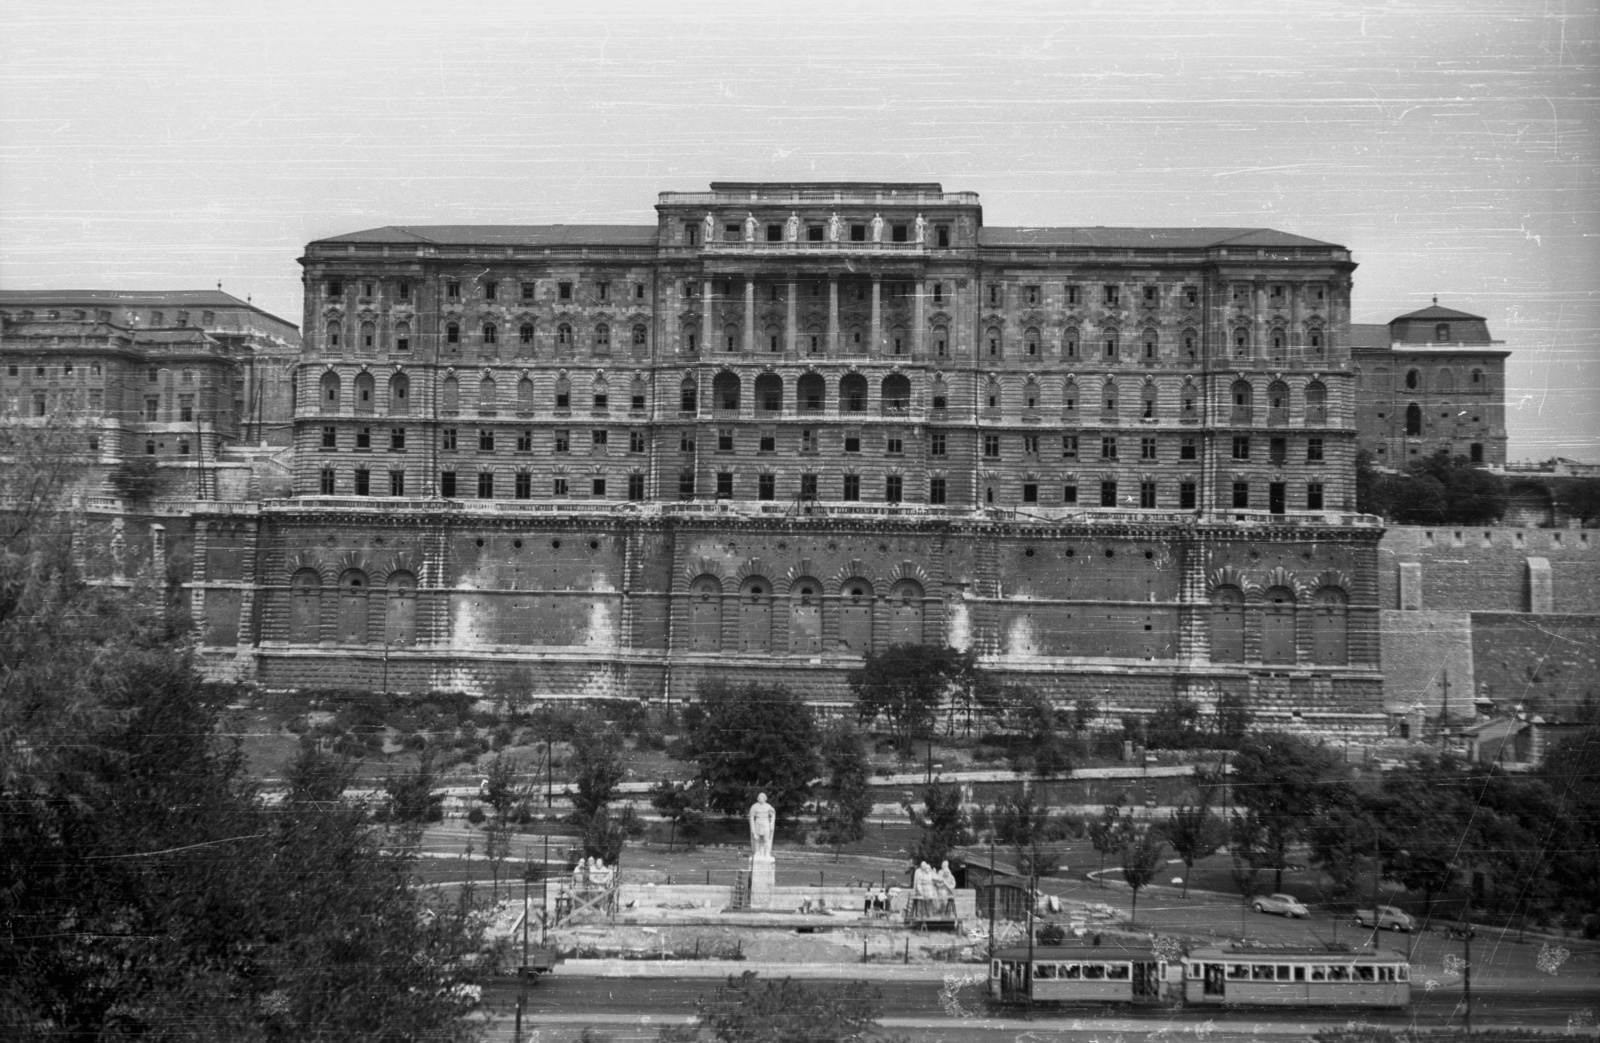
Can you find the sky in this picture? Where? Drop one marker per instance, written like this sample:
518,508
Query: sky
1450,144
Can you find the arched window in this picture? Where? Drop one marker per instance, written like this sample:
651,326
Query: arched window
805,616
1330,643
812,393
1445,381
641,339
1108,399
731,335
941,342
1413,420
853,393
400,610
1478,383
450,396
896,394
1069,342
1227,625
488,396
353,607
1030,396
525,396
402,336
602,339
993,397
1279,342
1277,626
369,336
905,613
1243,402
1316,403
330,392
898,343
491,335
855,616
688,396
725,390
992,346
705,614
1277,402
1147,401
755,615
1413,380
333,331
1030,342
1191,345
1241,343
1151,343
563,395
452,333
525,335
365,392
564,336
769,393
1314,341
1109,343
1069,399
1188,402
399,395
305,607
773,338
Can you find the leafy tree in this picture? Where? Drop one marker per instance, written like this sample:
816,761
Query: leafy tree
607,830
844,816
906,684
1107,832
943,822
501,791
748,1009
597,769
1043,750
1194,832
755,739
1582,500
496,849
1573,770
1437,490
1372,488
1141,860
1230,722
1022,821
1285,783
1084,710
1175,724
414,796
681,804
1339,842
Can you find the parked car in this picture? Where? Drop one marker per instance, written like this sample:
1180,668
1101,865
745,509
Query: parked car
1385,916
1283,905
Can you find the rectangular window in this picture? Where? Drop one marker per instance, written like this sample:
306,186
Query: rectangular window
563,400
1112,296
522,487
1191,295
330,438
447,484
452,289
936,490
152,407
602,403
1314,496
1071,295
1108,447
485,485
397,483
852,441
529,290
858,233
1314,451
938,293
604,290
893,489
1030,492
486,441
447,439
936,444
768,443
1031,293
852,488
564,291
363,438
1069,494
1030,445
335,288
490,289
1147,496
685,485
1186,495
598,440
1241,495
563,441
939,402
635,441
1475,452
1069,447
597,488
637,404
635,486
991,447
397,439
1152,296
326,482
724,439
404,291
766,487
363,482
1278,450
1108,494
1147,448
686,441
1241,447
893,445
1187,449
808,487
942,234
525,441
724,485
558,487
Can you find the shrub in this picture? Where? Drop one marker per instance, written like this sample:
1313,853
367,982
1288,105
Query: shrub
476,815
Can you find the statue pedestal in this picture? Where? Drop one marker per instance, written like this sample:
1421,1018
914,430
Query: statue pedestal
763,877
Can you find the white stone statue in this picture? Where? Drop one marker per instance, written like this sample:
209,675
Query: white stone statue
877,228
947,879
763,820
922,228
833,229
711,227
923,881
791,228
750,228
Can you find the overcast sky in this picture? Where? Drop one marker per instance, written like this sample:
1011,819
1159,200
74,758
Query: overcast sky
1451,145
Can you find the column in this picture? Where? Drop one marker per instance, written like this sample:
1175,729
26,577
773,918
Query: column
919,318
749,312
789,328
833,313
706,299
875,334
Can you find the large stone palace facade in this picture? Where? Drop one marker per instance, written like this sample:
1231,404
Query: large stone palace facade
791,423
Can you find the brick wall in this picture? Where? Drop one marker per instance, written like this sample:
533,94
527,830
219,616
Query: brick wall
1486,569
1549,664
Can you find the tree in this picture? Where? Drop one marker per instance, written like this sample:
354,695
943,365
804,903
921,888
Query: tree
1582,500
1141,859
844,816
1106,833
748,1009
1194,832
755,739
596,768
496,849
500,791
943,822
414,795
681,804
1437,490
1043,749
1022,821
1175,724
1338,842
1230,722
1285,782
906,684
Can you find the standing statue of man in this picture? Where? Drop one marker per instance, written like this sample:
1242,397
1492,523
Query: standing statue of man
922,228
877,228
791,228
711,227
763,820
833,229
750,228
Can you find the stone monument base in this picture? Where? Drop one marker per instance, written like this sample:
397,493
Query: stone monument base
763,877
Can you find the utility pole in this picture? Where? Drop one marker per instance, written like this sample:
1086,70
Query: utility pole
991,896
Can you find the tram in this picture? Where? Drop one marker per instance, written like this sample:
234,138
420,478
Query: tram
1256,977
1077,974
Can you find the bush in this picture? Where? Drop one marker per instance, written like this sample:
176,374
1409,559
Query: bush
1051,934
476,815
502,737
